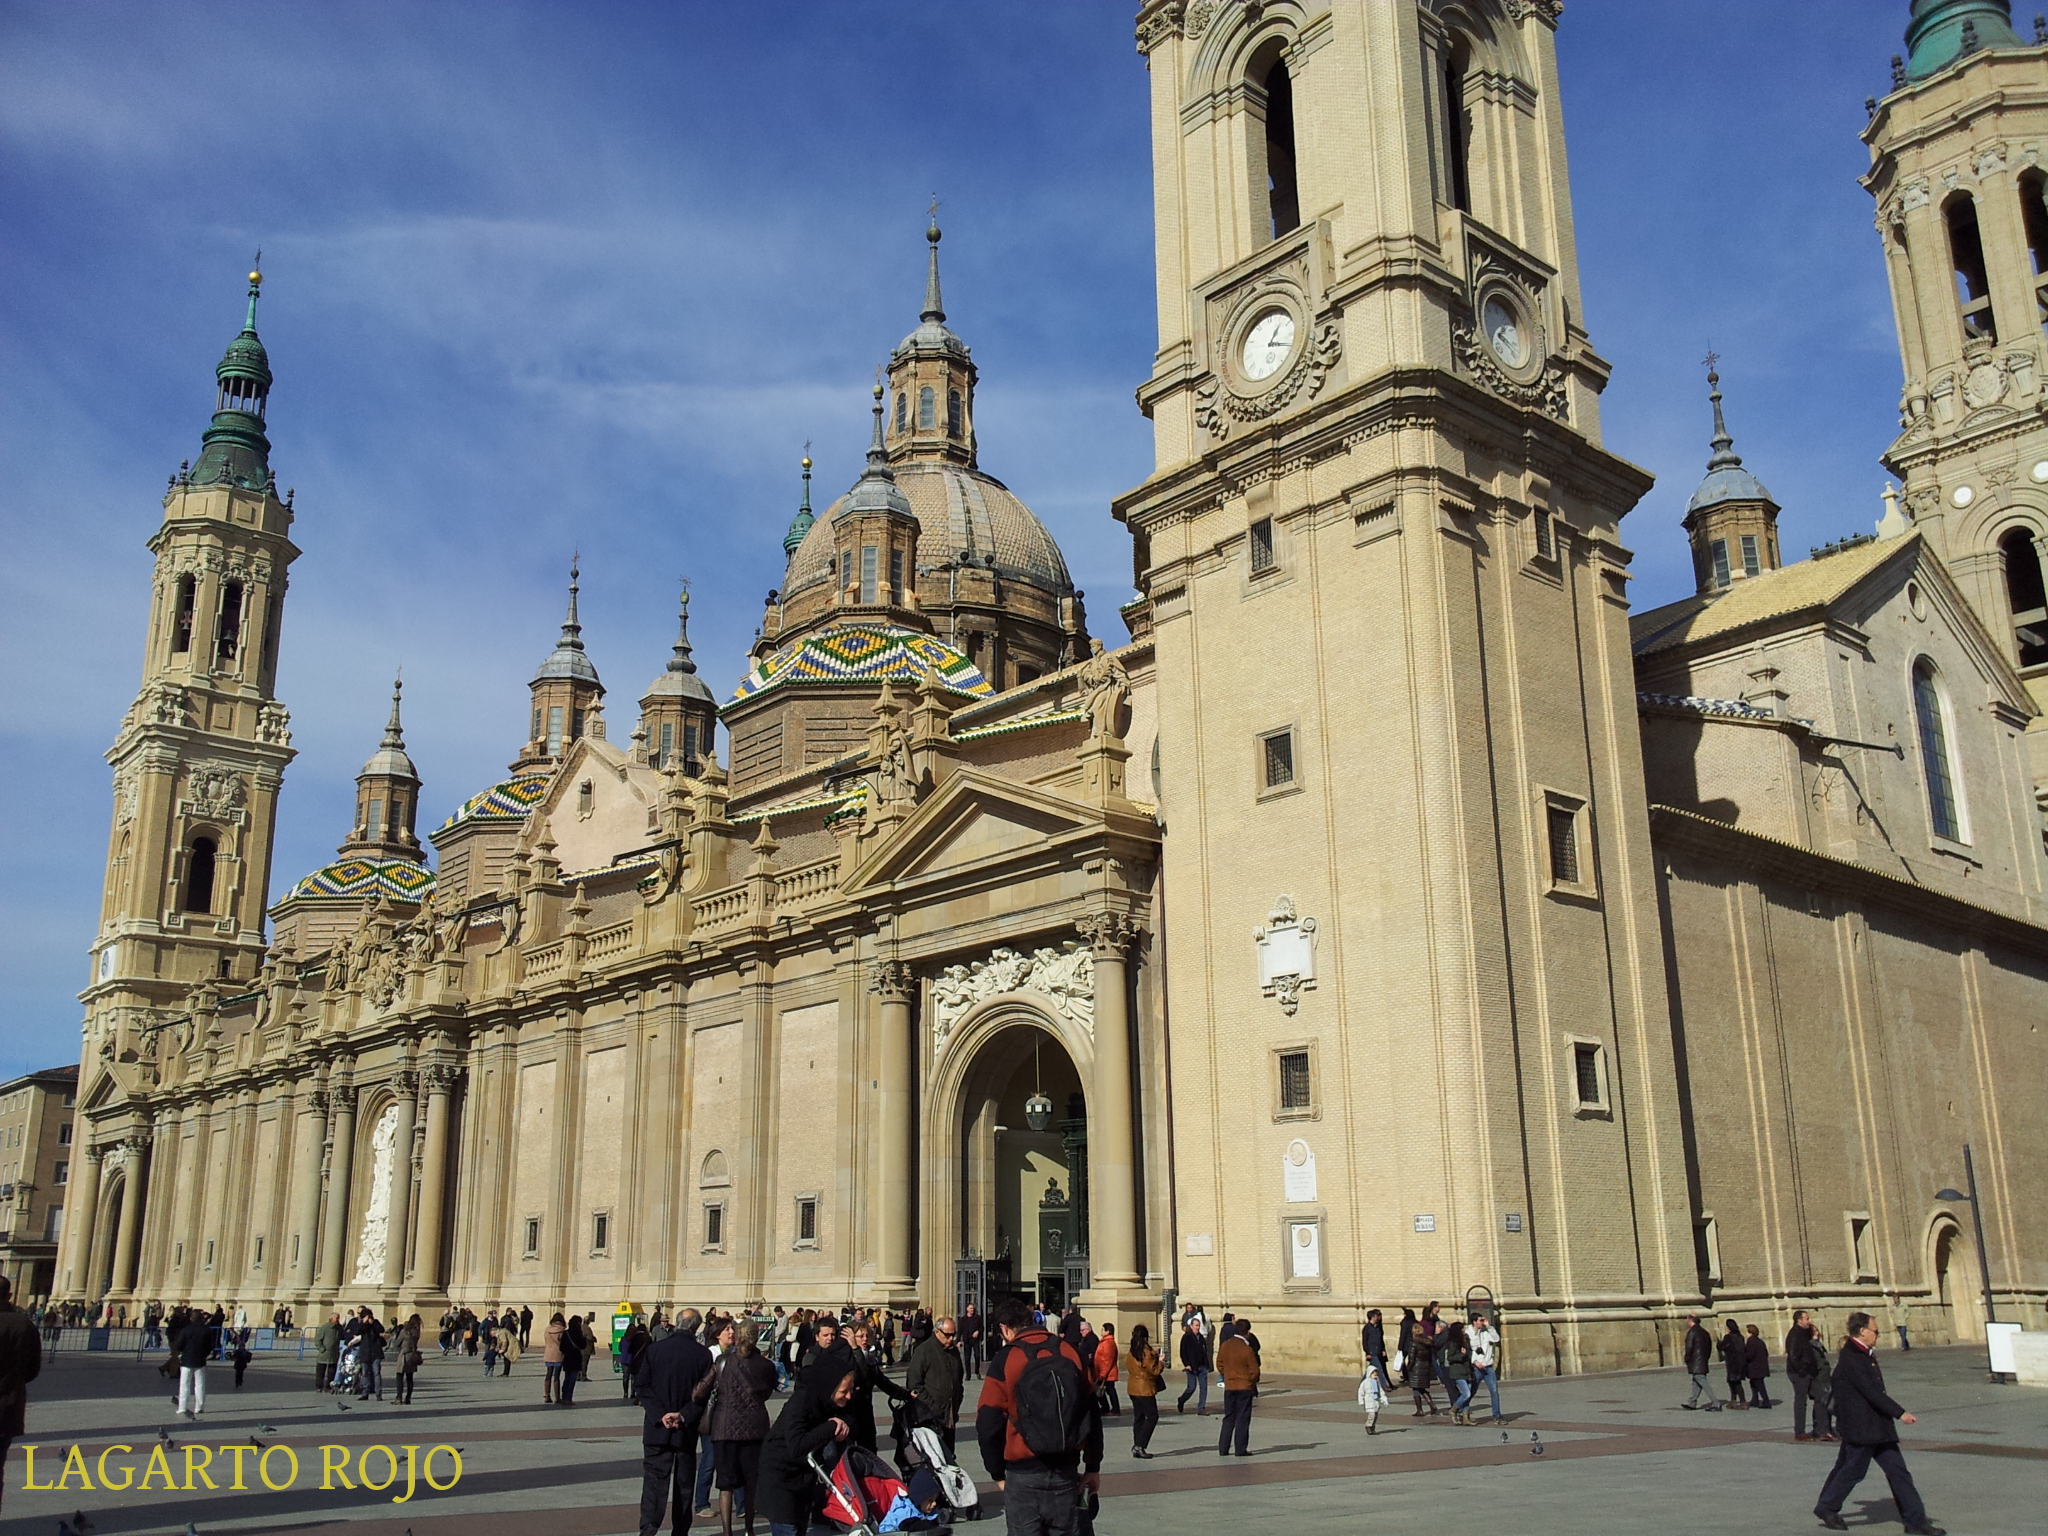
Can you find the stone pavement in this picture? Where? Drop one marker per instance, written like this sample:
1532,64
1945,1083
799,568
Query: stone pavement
1618,1457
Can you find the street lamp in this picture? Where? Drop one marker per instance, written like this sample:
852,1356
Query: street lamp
1977,1221
1037,1108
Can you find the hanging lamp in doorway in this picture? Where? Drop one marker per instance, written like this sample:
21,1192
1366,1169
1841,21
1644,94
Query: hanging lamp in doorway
1037,1108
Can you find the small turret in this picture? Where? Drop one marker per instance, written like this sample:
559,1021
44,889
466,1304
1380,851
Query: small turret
387,796
566,693
678,715
1731,519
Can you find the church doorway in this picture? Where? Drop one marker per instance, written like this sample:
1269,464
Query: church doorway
1019,1169
1955,1281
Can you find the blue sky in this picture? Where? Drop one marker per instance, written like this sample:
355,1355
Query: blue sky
549,277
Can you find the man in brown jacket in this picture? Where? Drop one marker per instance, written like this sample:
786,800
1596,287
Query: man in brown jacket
1238,1364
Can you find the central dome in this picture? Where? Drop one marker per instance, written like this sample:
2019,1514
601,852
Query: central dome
964,517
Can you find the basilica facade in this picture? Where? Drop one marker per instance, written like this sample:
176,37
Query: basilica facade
1506,941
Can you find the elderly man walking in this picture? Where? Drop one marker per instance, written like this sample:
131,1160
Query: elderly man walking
1699,1360
1238,1364
936,1376
1865,1416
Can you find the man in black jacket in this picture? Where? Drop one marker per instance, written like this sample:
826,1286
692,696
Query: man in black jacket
1864,1415
1802,1365
192,1345
1374,1343
664,1378
1699,1360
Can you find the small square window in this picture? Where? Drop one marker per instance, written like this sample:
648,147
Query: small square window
531,1250
61,1174
1546,543
1751,565
1564,844
600,1232
807,1221
1263,559
1276,760
714,1226
1295,1087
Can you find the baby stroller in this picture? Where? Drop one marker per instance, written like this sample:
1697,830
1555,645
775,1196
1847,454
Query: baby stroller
348,1370
864,1497
920,1450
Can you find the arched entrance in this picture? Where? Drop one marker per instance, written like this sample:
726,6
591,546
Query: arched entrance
1006,1175
1955,1281
106,1237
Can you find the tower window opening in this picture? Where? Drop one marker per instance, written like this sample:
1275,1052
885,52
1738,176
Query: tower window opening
668,744
199,860
536,723
1263,559
1283,195
373,824
554,730
1934,761
1751,565
576,722
690,747
1545,545
269,661
902,411
2034,211
895,575
2027,595
926,407
1720,554
870,567
1277,767
1973,284
1457,131
956,413
181,624
229,628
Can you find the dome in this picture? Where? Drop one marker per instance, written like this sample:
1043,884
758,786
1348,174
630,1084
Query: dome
864,653
361,879
962,515
389,762
245,355
672,684
1732,483
510,800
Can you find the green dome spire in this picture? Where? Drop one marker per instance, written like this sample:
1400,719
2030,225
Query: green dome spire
1942,31
234,450
801,523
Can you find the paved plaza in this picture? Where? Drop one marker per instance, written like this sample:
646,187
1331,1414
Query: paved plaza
1618,1456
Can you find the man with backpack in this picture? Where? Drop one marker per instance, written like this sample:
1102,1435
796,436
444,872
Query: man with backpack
1038,1424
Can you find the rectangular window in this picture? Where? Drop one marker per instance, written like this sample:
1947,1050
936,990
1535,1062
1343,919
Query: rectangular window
668,743
373,824
1589,1079
61,1174
1262,547
896,576
536,723
870,564
181,623
576,724
53,1224
1862,1247
295,1247
1586,1063
1295,1086
259,1253
956,417
1720,552
1751,565
209,1253
1546,544
1277,760
1564,844
807,1221
177,1256
554,730
1706,1245
601,1232
689,746
64,1134
228,629
714,1226
532,1248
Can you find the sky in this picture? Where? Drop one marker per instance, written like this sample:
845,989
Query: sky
555,278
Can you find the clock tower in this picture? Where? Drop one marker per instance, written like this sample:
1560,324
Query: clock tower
1380,558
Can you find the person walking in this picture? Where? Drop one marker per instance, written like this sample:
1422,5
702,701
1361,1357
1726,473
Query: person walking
1145,1380
1868,1420
1404,1346
717,1335
491,1337
508,1342
1044,1463
1238,1364
1373,1395
525,1328
406,1356
1801,1369
1454,1365
551,1358
810,1421
1372,1342
21,1362
1733,1361
970,1341
573,1344
1422,1374
326,1350
1105,1371
736,1394
1698,1351
632,1343
370,1353
1756,1365
192,1344
868,1375
936,1376
240,1356
670,1374
1485,1340
1823,1390
1194,1359
1901,1315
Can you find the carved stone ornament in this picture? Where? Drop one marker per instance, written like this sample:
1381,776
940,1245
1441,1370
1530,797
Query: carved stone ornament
1062,978
1106,690
1287,955
892,979
1159,21
1217,405
1544,393
441,1078
1520,11
217,790
1199,15
273,722
162,704
376,1231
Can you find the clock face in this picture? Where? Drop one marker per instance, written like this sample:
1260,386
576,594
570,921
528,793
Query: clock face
1504,332
1267,344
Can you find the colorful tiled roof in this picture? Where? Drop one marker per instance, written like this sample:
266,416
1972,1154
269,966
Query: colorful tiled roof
864,653
357,879
509,801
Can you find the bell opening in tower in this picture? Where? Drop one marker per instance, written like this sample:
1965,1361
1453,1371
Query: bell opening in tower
1973,284
199,876
1283,196
1457,129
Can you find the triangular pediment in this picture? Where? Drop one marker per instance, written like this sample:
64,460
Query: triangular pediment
972,822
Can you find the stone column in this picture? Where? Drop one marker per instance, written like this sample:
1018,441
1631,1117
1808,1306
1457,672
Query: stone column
305,1209
406,1086
84,1204
1112,1168
426,1276
130,1228
340,1169
895,1192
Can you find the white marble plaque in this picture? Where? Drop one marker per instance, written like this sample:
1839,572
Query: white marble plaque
1298,1173
1305,1250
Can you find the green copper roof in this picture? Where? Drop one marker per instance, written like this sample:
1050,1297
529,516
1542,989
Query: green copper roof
801,523
234,450
1935,35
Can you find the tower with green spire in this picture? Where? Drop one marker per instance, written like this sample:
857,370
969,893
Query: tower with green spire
235,450
1942,31
801,523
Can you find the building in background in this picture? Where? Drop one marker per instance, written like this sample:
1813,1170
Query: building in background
37,1157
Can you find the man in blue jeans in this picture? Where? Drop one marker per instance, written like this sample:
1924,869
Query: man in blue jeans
1485,1340
1864,1415
1194,1359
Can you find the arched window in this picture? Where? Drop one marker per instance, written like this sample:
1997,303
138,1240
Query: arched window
1283,194
902,410
2034,210
926,407
2025,595
956,413
181,623
1934,759
199,875
228,631
1457,128
1973,285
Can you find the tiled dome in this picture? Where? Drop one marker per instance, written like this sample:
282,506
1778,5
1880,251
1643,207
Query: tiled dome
963,515
864,653
358,879
509,801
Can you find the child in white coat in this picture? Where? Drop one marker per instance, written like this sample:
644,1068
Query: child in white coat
1372,1396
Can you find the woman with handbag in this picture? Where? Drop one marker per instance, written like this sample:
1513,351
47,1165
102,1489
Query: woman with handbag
738,1390
575,1347
1145,1374
407,1353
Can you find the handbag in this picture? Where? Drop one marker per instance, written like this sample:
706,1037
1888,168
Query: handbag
1400,1362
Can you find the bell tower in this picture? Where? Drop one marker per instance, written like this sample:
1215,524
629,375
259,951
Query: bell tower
1380,554
201,752
1958,167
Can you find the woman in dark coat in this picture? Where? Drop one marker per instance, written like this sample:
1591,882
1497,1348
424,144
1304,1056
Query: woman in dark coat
1405,1348
1734,1361
1422,1375
1454,1362
1756,1365
811,1420
738,1390
868,1375
575,1350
